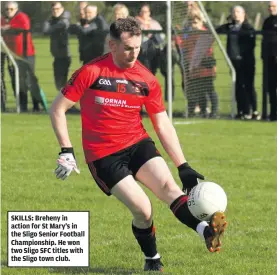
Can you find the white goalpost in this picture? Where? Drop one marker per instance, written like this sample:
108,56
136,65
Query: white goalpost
169,59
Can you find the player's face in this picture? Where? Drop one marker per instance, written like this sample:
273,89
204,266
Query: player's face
272,7
126,51
11,10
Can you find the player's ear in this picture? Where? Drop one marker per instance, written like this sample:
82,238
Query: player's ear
112,45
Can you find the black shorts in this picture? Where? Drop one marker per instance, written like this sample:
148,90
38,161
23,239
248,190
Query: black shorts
108,171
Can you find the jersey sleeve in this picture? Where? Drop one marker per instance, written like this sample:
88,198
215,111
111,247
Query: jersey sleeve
154,102
78,83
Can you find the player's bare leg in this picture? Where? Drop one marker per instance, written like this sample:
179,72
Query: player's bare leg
132,195
156,176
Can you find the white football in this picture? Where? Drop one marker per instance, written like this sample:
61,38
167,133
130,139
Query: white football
205,199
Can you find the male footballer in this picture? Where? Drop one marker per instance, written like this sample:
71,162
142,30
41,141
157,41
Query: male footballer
112,90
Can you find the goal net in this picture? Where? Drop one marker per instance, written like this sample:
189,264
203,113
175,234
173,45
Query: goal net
200,67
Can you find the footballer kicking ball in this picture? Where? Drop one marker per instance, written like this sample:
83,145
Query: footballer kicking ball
205,199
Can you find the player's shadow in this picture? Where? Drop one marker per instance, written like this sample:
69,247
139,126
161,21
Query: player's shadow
96,270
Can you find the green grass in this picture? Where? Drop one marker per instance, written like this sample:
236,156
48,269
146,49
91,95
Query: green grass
240,156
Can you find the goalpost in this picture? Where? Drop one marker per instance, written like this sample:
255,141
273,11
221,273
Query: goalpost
207,74
8,53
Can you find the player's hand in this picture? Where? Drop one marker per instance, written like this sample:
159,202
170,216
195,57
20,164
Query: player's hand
188,176
66,164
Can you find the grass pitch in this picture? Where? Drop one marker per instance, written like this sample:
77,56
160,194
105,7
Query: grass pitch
240,156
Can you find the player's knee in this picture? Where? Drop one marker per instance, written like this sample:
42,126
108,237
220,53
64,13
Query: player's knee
143,214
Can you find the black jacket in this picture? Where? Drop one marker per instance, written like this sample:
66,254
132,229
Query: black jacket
57,28
91,38
240,43
269,42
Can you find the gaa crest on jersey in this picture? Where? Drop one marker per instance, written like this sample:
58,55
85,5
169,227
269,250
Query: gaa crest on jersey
120,85
103,81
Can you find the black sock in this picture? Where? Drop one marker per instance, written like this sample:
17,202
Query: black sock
146,239
180,209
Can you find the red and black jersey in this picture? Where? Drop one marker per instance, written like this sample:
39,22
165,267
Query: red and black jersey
111,100
19,42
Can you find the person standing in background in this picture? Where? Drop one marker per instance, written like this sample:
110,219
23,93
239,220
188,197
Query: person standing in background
81,18
119,11
81,21
57,27
241,42
152,43
3,85
200,69
15,29
91,35
269,56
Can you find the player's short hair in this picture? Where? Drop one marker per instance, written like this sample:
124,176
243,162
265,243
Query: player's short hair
129,24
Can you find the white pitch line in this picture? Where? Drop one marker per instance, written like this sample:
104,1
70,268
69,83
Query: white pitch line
187,122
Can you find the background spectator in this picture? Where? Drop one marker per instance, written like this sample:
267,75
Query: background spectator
81,21
119,11
241,41
200,68
81,18
57,27
15,28
163,66
91,35
152,44
192,11
269,56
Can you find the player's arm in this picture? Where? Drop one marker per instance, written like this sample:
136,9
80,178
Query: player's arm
169,140
66,161
168,136
69,95
58,119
